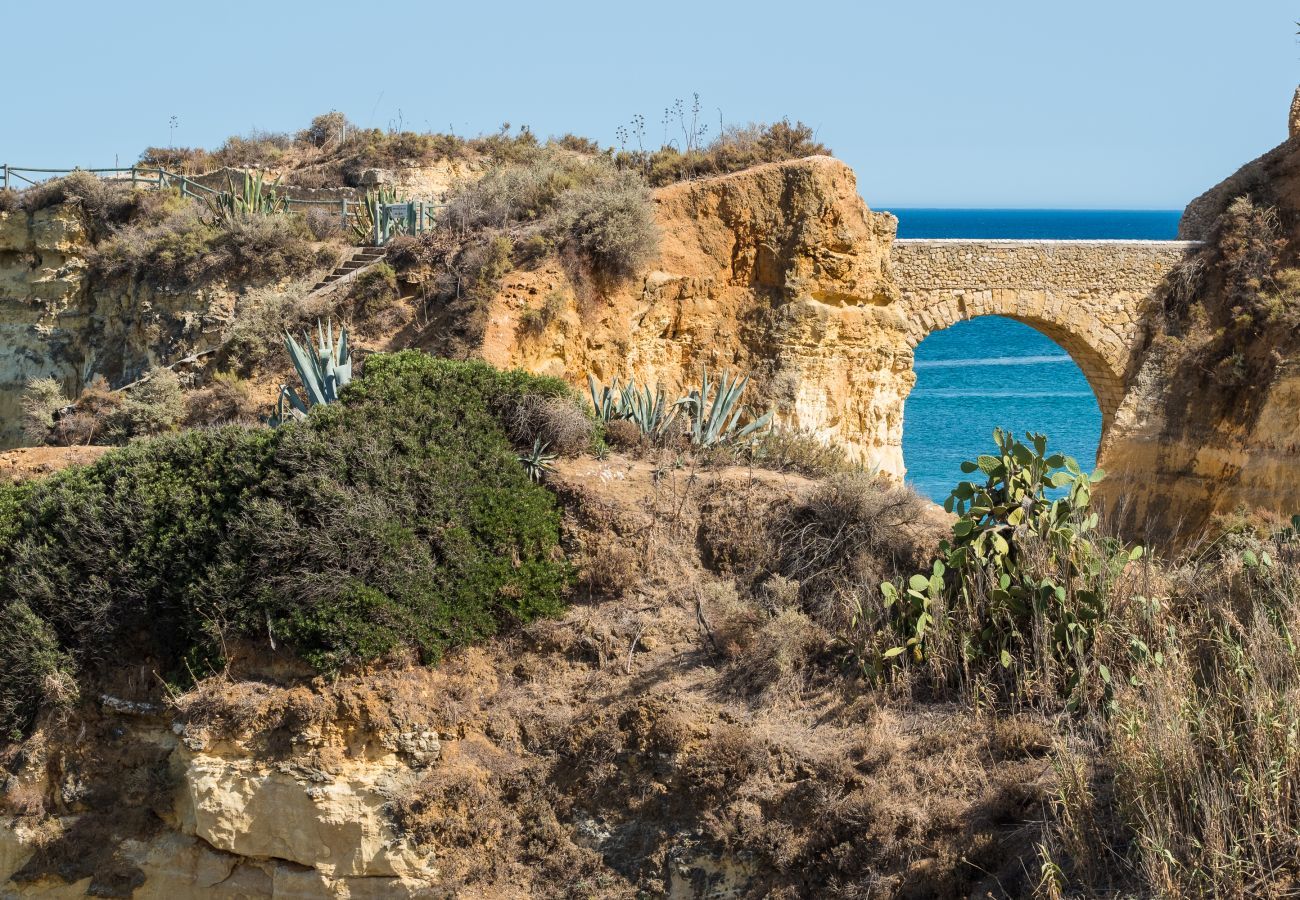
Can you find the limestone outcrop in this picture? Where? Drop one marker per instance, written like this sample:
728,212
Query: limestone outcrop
58,322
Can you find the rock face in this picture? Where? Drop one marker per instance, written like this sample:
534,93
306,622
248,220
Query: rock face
55,322
780,271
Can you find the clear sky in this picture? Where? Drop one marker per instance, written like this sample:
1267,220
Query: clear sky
1004,103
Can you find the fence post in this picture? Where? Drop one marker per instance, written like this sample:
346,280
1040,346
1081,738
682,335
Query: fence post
6,176
343,207
133,176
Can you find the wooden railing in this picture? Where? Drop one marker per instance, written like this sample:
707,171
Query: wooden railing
399,218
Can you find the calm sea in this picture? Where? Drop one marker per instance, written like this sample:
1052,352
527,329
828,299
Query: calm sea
994,371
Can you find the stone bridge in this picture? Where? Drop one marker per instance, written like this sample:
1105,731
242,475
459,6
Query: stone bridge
1090,297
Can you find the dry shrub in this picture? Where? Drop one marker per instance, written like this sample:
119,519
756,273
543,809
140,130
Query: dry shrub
608,568
256,150
23,799
87,421
527,190
731,620
182,248
1248,235
453,811
796,450
323,224
737,148
598,214
186,160
558,422
721,764
490,824
84,187
226,400
1204,747
536,320
610,224
101,415
847,537
374,300
256,337
623,434
778,651
735,535
327,128
10,202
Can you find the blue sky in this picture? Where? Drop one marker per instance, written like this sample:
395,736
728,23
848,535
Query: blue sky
1107,104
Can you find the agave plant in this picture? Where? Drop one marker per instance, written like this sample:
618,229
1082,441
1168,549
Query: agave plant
255,198
323,373
367,213
650,410
538,462
716,414
608,401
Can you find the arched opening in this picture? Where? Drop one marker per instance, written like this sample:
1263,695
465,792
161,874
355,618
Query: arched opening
986,372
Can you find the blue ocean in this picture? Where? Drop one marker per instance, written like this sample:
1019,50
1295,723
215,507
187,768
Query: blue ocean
994,371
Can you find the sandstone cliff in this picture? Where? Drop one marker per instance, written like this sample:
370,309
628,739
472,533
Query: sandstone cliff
780,271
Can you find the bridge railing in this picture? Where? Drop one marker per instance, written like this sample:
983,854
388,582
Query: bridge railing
405,218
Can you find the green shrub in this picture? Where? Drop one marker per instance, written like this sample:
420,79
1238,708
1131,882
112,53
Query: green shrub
152,406
36,672
397,521
42,398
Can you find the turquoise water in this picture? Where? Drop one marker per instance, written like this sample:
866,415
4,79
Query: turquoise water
1046,224
994,371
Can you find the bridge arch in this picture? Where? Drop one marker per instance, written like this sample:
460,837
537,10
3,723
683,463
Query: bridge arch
1090,297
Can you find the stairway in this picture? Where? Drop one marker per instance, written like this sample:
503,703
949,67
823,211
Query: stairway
361,258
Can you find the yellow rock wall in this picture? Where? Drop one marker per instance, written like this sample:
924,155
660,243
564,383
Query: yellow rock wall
781,271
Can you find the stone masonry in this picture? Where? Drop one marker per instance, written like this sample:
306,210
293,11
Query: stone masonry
1088,296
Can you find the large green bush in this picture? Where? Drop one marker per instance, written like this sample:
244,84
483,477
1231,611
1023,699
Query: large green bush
397,521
